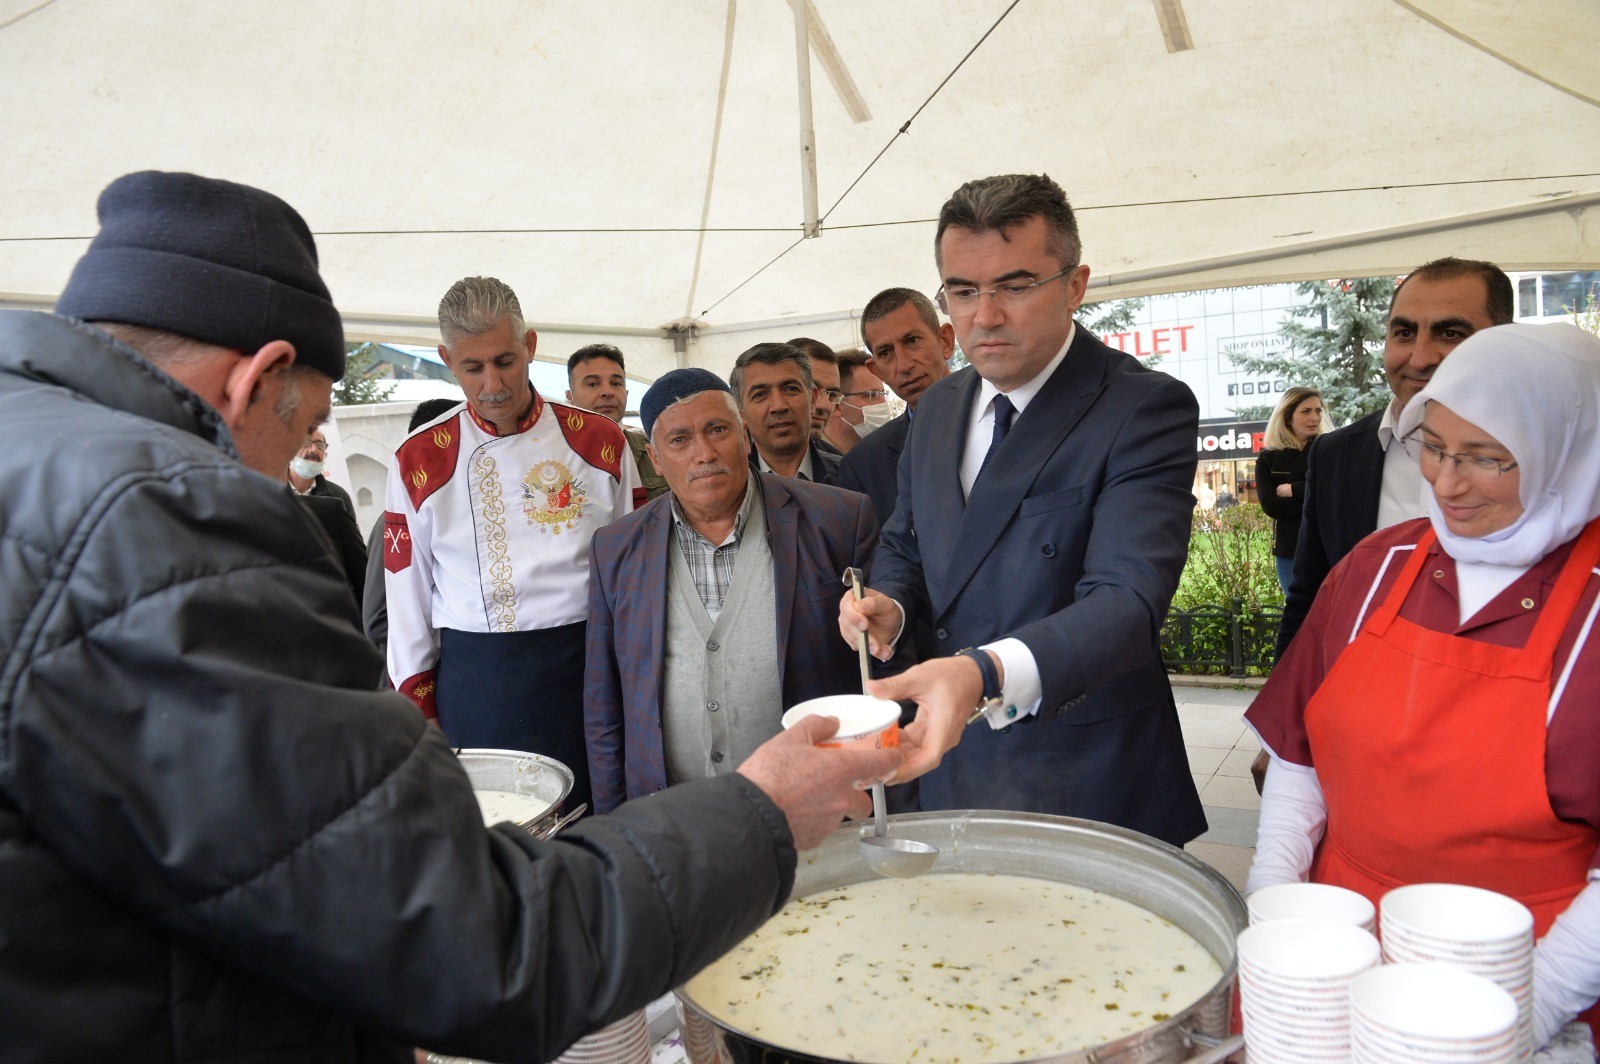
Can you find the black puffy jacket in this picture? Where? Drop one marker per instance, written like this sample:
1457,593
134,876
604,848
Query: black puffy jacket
216,842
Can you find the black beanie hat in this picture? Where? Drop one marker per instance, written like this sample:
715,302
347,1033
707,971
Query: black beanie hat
211,260
674,385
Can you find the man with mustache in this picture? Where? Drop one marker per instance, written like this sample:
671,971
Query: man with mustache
1041,526
491,507
711,608
774,388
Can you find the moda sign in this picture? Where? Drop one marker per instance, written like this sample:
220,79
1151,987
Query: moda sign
1237,439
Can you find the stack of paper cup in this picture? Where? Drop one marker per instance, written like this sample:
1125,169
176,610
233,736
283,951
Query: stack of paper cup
1474,930
1294,987
1312,901
1427,1013
699,1037
625,1042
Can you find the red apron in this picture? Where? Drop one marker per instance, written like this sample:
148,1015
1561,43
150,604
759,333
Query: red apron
1430,748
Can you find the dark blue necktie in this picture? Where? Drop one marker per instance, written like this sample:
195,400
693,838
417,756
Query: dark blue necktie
1003,413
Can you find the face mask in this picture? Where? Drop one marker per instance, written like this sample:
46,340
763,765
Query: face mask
873,417
306,469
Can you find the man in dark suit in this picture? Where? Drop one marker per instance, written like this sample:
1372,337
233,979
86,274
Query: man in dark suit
1360,478
711,609
773,386
1042,521
910,351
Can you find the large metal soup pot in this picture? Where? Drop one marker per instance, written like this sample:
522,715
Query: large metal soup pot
519,772
1082,853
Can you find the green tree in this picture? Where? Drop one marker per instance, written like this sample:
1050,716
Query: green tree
365,380
1110,316
1335,345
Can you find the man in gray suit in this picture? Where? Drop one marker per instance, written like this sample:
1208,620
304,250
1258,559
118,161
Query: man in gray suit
1041,525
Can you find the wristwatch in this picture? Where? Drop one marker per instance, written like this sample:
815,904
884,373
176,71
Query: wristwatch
992,698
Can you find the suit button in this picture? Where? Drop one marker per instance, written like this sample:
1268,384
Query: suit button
1006,730
713,646
913,533
942,634
716,757
713,706
1048,550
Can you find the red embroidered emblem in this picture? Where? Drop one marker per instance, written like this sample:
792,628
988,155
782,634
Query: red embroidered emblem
421,689
428,459
598,439
396,542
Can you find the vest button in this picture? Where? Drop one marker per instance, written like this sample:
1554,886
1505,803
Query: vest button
713,646
1048,550
716,757
942,634
713,706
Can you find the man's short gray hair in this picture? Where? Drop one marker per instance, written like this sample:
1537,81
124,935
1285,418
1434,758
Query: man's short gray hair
998,203
477,305
733,408
770,355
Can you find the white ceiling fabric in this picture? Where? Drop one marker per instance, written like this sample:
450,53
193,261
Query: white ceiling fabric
427,141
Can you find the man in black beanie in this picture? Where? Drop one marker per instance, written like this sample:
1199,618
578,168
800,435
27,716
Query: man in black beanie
217,842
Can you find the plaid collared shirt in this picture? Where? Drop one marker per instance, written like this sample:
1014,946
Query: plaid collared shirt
711,564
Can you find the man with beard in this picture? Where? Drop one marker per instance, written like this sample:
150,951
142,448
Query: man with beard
491,508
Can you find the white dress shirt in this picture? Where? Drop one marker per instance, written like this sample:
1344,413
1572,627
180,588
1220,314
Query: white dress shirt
805,469
1021,690
1401,497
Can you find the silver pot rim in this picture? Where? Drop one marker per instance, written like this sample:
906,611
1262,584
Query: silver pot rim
1201,1023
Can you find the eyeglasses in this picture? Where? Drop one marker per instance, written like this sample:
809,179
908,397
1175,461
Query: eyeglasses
1471,466
965,298
835,396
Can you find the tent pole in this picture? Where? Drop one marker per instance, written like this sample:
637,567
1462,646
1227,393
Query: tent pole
808,140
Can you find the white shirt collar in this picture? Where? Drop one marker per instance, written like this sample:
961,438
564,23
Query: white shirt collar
1386,424
1023,394
805,463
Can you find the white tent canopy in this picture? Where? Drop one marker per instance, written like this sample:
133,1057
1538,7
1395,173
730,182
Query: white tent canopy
630,166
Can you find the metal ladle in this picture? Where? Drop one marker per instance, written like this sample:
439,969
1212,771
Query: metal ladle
899,858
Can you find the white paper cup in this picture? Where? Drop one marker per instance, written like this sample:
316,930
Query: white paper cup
1430,1005
1311,901
1449,913
864,722
1308,952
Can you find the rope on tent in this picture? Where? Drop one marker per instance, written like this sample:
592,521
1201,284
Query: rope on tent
904,128
753,276
907,125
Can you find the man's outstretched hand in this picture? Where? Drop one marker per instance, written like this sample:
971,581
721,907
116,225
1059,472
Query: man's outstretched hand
816,787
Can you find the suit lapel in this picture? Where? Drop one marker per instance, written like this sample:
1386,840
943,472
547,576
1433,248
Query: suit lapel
1034,437
658,541
937,459
782,518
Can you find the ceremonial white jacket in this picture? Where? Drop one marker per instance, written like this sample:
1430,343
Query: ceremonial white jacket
490,533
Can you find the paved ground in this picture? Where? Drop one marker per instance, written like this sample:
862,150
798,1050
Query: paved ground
1220,750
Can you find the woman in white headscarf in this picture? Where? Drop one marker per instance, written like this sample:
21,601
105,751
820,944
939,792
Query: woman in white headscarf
1438,717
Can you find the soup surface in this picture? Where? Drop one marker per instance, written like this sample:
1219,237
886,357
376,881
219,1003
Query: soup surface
504,805
955,968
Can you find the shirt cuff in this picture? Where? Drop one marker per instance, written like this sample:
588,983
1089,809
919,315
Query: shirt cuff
900,629
1021,690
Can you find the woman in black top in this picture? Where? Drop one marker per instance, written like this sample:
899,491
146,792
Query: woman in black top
1281,471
